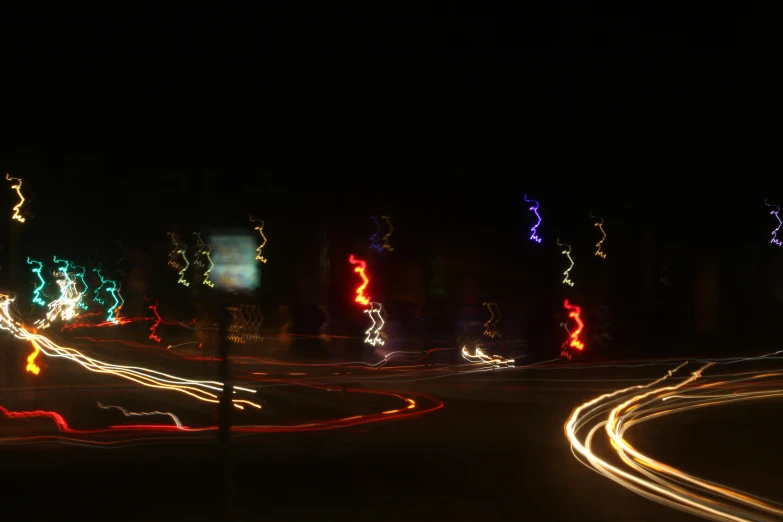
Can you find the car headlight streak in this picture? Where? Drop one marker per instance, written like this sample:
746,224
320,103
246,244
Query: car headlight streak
202,390
31,366
127,413
494,361
158,320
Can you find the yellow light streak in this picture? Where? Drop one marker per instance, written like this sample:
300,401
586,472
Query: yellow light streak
567,253
260,228
18,188
614,413
31,366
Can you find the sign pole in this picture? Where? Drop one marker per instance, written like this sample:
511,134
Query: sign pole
224,414
235,277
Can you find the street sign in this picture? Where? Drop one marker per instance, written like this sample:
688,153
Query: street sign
236,268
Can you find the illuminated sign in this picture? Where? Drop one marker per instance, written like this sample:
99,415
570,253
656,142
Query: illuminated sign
235,264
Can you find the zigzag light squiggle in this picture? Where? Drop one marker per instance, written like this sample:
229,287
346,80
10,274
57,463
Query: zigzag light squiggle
37,292
17,216
600,225
567,253
534,209
361,269
260,227
776,213
374,332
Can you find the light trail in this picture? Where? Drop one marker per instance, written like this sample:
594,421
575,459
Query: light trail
37,291
567,253
494,361
206,391
410,406
613,414
600,224
374,332
375,239
127,413
776,213
491,326
260,227
65,305
534,209
31,366
18,188
361,269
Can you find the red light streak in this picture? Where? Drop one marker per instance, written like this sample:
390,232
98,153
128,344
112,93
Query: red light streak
158,320
103,324
56,417
411,409
123,320
362,271
575,313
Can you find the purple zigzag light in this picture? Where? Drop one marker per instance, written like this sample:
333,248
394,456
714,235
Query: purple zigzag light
375,239
533,236
775,240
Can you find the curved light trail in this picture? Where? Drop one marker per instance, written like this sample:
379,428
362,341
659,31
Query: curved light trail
206,391
611,415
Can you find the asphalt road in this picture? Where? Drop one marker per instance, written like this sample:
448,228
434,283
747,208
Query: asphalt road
496,451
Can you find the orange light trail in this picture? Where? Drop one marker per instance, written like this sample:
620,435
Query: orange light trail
361,298
575,313
600,224
611,415
31,366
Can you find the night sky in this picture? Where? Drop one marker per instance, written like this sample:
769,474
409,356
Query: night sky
131,126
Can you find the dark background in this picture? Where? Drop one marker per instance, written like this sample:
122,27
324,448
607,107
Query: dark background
130,125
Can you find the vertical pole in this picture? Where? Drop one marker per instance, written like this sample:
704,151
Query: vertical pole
224,415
